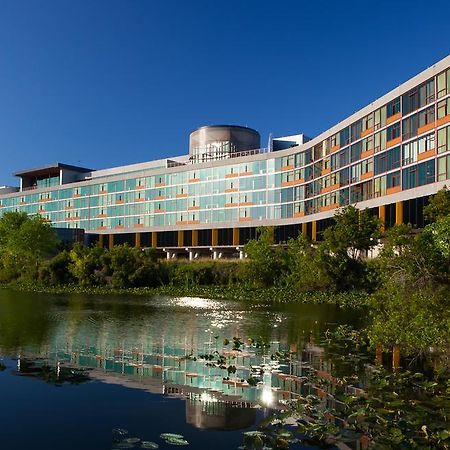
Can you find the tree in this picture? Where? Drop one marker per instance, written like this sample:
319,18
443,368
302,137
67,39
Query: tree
86,265
303,272
353,233
266,262
344,244
24,242
438,206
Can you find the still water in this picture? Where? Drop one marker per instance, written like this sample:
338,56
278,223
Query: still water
85,372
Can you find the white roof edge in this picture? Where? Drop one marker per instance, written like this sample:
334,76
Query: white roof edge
138,166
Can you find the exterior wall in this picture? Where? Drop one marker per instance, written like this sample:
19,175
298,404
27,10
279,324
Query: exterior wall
394,150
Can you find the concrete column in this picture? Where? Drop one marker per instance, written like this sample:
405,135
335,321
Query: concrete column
398,213
305,228
214,237
100,240
137,242
396,357
314,231
235,236
382,216
194,238
111,241
180,238
154,239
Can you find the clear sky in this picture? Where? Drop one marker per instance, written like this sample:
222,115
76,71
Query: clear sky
109,82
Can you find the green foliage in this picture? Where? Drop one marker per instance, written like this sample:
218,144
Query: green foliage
417,320
344,245
438,206
266,262
303,271
354,232
203,273
55,271
24,242
86,265
130,267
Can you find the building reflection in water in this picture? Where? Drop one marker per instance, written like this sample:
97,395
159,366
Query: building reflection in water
160,351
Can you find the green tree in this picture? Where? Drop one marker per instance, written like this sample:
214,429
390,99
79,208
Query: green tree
303,271
344,246
266,262
24,242
86,265
438,206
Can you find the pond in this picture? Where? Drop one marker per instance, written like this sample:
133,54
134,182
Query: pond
87,372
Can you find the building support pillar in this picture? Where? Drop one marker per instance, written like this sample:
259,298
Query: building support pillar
314,231
399,213
137,240
180,238
235,236
111,241
154,239
214,237
194,238
100,240
305,228
382,216
396,357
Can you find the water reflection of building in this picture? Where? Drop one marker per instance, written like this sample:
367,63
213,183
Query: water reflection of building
214,399
205,411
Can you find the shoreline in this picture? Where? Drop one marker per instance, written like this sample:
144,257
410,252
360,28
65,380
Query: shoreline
232,293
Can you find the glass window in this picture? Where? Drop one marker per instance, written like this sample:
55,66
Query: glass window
444,168
380,118
443,108
367,122
393,107
387,161
380,141
443,140
443,83
410,126
418,175
426,116
393,131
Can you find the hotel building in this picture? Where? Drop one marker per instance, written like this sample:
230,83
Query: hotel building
389,157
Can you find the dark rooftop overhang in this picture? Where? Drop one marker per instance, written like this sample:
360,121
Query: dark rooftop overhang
50,169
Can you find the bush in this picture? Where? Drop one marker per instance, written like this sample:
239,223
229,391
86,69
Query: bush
56,270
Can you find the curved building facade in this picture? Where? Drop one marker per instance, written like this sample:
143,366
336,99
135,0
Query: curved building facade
388,157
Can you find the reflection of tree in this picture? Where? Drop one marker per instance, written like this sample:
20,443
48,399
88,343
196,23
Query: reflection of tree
53,375
25,320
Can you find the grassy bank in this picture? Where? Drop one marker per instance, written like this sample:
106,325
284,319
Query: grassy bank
232,292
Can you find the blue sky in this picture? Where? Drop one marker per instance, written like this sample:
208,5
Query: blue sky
106,82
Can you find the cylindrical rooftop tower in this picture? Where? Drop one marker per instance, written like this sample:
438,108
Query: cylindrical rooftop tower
221,141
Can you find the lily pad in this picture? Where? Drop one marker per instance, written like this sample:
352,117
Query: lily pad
177,441
148,444
171,435
132,440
